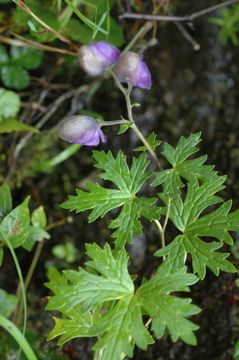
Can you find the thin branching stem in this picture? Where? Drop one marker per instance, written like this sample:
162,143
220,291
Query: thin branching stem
34,263
161,228
187,18
162,234
114,122
127,92
167,214
146,144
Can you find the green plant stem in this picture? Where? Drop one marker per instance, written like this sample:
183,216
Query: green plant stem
147,145
117,82
29,276
18,336
163,228
114,122
99,354
162,234
127,93
134,127
19,272
167,214
34,263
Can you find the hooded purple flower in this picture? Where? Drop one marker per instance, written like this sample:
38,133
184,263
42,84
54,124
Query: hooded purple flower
83,130
132,69
95,58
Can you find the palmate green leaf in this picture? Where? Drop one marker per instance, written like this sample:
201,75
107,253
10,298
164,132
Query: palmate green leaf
172,314
16,224
117,171
103,303
77,323
108,280
198,198
203,255
89,289
168,311
122,327
127,223
182,167
101,200
216,224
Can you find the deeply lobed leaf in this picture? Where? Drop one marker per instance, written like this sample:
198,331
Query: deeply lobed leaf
192,213
101,301
182,167
186,217
101,200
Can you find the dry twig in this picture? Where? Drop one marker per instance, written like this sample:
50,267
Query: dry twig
186,18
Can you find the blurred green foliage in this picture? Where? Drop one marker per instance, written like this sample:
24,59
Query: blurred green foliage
81,20
14,65
228,21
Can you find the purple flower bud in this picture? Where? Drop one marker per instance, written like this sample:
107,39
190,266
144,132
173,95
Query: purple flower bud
132,69
82,130
95,58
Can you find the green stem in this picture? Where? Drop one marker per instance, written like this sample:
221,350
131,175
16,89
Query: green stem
19,272
117,82
163,228
34,263
114,122
134,127
18,336
128,103
126,93
147,145
162,234
167,214
29,275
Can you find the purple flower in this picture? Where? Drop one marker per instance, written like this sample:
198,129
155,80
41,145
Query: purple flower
83,130
95,58
132,69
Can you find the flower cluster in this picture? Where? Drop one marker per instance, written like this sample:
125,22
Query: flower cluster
129,67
